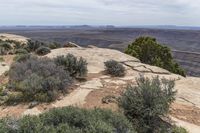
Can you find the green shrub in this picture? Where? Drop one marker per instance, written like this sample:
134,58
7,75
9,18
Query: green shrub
43,50
5,47
31,45
114,68
38,79
22,57
76,67
54,45
16,43
21,51
8,125
179,130
2,51
145,103
74,120
149,51
13,98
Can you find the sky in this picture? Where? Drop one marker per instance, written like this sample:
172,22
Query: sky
100,12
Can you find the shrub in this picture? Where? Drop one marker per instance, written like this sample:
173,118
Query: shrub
145,103
3,51
22,57
76,67
5,47
149,51
13,98
31,45
74,120
54,45
38,79
8,125
114,68
43,50
179,130
21,51
19,45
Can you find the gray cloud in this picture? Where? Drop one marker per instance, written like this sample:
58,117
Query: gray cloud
117,12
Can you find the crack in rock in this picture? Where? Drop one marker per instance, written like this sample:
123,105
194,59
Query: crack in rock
187,101
150,70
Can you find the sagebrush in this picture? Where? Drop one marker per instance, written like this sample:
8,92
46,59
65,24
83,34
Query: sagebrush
37,79
77,67
43,50
70,120
114,68
145,103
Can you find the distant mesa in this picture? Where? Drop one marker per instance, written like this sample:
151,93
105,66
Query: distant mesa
81,27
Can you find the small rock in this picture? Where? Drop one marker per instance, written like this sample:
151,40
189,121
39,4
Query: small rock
71,45
33,104
3,64
109,99
15,103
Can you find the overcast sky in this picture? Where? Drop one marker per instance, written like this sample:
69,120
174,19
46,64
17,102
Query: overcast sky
100,12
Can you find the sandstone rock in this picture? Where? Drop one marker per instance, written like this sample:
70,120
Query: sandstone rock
189,91
191,128
33,111
13,37
92,84
77,97
117,82
71,45
91,46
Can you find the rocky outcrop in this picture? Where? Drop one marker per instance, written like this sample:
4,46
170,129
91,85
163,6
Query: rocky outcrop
17,38
89,94
71,45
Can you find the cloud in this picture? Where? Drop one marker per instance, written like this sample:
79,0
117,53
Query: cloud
117,12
